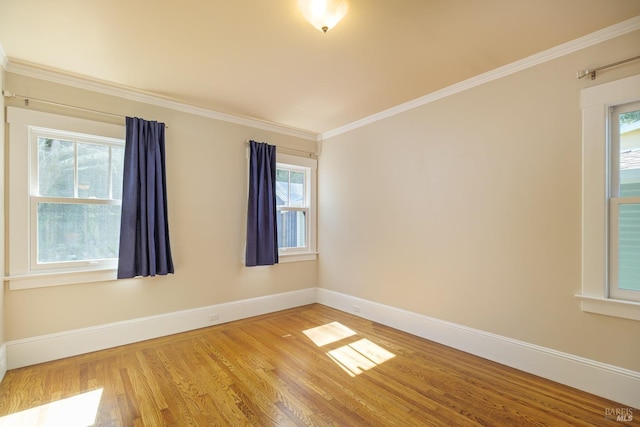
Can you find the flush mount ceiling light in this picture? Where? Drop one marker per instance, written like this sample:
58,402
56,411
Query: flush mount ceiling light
323,14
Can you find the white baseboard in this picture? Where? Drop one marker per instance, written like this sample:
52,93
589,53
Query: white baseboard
618,384
611,382
30,351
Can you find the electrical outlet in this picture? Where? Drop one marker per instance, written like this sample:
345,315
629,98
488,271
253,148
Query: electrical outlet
214,317
356,309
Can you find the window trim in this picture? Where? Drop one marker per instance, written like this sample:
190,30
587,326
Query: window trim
309,253
20,272
596,102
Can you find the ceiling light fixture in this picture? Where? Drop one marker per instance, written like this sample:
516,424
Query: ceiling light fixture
323,14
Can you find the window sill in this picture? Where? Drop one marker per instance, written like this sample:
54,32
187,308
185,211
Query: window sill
43,280
610,307
306,256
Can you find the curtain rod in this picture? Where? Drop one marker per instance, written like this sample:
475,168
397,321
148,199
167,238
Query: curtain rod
583,73
291,149
27,99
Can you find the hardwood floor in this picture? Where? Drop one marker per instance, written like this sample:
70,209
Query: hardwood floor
306,366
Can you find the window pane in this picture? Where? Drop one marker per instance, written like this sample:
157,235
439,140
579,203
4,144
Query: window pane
56,167
292,229
629,247
117,172
630,154
93,171
296,189
297,177
282,187
77,232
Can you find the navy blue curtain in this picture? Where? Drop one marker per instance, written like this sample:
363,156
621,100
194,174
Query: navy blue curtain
144,230
262,229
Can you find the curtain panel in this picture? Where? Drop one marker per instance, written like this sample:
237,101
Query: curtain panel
144,227
262,230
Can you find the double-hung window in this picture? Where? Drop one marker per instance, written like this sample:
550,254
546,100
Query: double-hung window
611,198
624,203
295,204
65,193
76,193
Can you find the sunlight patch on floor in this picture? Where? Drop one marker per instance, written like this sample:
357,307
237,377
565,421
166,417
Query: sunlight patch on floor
359,356
354,358
76,411
329,333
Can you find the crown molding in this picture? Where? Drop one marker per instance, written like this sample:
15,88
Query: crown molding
147,98
592,39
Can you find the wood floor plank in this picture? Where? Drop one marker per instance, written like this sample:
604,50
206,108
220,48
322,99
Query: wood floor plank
268,371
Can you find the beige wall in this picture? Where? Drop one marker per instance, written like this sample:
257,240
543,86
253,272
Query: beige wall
468,210
207,195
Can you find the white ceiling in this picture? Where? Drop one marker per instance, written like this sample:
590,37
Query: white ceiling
260,59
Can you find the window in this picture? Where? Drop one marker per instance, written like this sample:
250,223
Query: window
295,202
624,203
64,199
611,199
76,191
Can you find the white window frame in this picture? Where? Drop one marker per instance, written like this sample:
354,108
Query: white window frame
309,166
596,103
34,134
23,272
615,200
